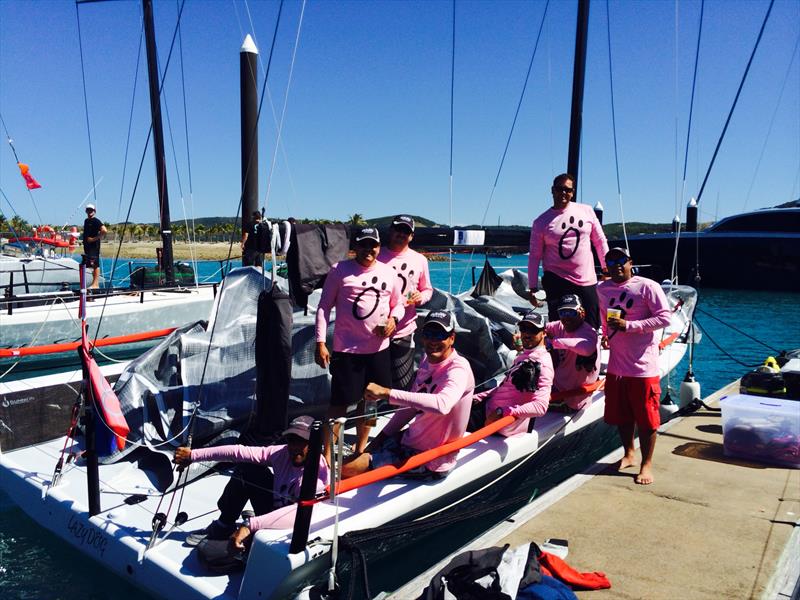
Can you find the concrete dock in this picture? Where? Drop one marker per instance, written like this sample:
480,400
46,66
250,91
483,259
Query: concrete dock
709,526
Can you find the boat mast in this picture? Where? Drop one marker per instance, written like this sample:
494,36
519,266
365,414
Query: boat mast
578,73
158,143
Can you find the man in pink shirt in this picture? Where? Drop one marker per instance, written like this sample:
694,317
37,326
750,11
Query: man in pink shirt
415,286
366,296
575,350
561,239
525,391
252,480
634,310
437,406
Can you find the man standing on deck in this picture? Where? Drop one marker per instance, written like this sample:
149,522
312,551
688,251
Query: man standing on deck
561,239
251,253
93,232
575,350
634,309
366,296
438,406
415,287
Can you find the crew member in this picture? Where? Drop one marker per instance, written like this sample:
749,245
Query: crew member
366,296
251,252
93,232
415,286
561,239
575,350
265,488
525,391
634,309
437,406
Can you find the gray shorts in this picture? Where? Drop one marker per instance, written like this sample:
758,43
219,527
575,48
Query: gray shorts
393,452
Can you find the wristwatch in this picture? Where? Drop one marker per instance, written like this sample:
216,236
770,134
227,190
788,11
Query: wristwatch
498,412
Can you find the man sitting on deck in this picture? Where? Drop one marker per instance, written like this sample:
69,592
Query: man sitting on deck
439,405
632,309
265,489
525,391
575,350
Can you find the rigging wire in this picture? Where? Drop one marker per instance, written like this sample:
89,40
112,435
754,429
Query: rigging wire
737,330
771,123
735,100
510,134
85,96
452,111
614,126
283,110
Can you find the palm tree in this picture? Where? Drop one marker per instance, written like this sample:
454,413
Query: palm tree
19,224
357,219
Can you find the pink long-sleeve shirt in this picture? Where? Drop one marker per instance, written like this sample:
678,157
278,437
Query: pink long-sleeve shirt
560,239
576,359
645,308
363,297
288,477
439,402
522,405
413,274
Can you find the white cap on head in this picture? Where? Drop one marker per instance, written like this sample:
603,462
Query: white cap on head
90,207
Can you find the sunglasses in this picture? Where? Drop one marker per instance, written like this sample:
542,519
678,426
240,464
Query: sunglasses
436,334
613,262
567,312
532,329
367,244
564,189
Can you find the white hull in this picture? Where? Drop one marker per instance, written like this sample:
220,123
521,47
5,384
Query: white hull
121,315
118,536
37,270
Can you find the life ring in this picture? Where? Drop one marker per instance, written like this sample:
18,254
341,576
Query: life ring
46,231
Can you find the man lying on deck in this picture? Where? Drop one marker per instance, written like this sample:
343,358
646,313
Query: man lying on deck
437,407
575,350
525,391
266,490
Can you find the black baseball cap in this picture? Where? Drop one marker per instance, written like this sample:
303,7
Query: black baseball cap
441,318
300,426
569,301
533,318
368,233
619,250
403,221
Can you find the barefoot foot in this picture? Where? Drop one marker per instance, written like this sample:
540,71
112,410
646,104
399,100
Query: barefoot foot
645,476
627,462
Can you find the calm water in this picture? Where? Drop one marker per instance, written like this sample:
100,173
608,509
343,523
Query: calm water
37,565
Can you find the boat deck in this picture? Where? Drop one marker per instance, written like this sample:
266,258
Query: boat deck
710,526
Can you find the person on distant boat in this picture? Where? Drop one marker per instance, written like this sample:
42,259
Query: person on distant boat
415,287
575,350
634,309
368,303
561,239
93,232
267,476
252,245
525,391
437,406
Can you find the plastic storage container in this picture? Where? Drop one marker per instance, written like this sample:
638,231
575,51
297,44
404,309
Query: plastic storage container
765,429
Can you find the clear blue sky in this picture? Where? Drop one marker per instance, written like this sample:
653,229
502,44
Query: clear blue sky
368,116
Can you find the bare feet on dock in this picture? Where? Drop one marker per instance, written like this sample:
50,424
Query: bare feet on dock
645,476
627,462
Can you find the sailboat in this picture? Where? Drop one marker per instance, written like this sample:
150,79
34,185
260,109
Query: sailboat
190,385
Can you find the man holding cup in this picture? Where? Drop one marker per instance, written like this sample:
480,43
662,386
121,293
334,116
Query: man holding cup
633,310
366,296
413,275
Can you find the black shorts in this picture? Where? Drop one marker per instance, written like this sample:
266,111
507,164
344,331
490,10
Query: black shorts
555,287
252,258
350,374
92,259
401,351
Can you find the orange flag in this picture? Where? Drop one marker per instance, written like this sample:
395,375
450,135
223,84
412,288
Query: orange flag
29,180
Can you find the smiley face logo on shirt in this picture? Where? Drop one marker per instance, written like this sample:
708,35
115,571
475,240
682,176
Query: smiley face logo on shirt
373,291
423,387
405,278
573,230
623,306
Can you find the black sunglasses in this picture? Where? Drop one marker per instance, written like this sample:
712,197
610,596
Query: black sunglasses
613,262
367,244
563,188
436,333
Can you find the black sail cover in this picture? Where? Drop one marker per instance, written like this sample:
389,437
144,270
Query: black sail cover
313,250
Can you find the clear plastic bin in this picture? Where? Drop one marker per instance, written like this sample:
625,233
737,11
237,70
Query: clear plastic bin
765,429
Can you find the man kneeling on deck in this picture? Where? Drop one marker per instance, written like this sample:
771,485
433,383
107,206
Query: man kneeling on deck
439,404
575,350
265,489
525,391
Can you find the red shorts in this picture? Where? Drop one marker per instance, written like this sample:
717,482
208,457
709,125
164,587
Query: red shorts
633,400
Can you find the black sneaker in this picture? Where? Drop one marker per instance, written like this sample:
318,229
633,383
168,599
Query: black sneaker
217,530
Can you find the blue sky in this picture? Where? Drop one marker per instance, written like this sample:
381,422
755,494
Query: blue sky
367,127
